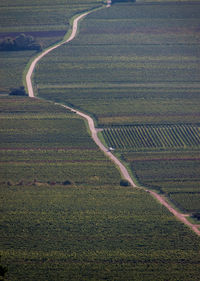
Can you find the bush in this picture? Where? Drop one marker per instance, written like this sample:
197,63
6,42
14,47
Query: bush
196,215
122,1
67,182
21,42
124,183
18,92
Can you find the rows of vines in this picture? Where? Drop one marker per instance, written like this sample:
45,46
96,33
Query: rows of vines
163,136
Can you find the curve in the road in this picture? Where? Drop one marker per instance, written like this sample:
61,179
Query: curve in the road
93,130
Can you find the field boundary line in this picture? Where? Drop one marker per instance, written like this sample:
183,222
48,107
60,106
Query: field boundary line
94,132
181,217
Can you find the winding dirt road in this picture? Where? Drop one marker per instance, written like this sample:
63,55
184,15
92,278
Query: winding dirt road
93,130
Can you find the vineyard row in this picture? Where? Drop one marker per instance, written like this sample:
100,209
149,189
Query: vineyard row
165,136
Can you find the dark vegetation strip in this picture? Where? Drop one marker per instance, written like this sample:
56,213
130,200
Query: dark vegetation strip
48,33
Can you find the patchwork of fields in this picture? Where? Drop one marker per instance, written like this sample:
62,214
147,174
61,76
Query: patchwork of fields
175,174
65,216
46,20
43,146
153,137
64,213
131,64
165,158
135,69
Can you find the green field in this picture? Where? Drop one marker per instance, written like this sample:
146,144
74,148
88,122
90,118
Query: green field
46,20
38,142
131,64
173,173
89,228
162,157
64,214
135,69
153,137
93,234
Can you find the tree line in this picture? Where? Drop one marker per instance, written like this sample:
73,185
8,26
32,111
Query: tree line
117,1
21,42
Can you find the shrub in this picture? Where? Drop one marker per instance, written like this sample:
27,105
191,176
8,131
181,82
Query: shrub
124,183
196,215
21,42
67,182
18,92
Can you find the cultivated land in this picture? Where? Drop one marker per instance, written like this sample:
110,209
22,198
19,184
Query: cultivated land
138,65
130,64
46,20
65,217
78,223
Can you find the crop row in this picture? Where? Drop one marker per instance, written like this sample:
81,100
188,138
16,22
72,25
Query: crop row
84,232
165,136
130,50
190,201
177,178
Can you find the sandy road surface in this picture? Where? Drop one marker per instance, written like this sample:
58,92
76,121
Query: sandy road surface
93,130
36,60
181,217
90,121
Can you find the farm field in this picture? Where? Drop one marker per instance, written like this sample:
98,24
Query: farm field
162,157
65,216
46,20
12,67
130,64
160,137
46,146
173,173
137,66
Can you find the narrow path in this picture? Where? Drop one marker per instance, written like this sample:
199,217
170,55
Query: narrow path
181,217
93,130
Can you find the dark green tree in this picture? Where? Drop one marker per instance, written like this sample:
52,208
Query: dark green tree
18,92
3,271
124,183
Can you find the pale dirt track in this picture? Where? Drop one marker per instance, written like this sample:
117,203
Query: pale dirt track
181,217
93,130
